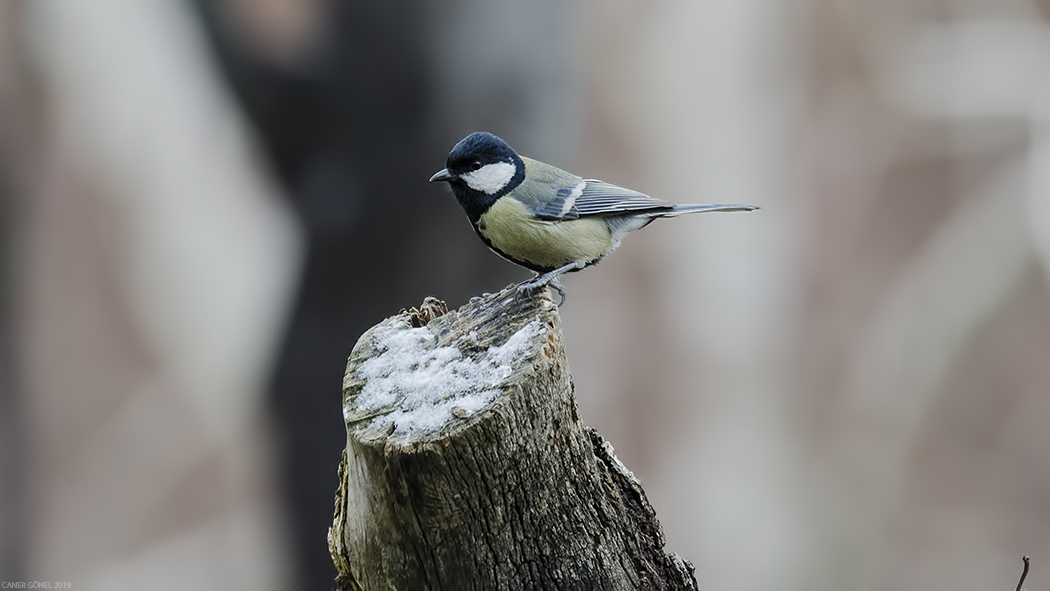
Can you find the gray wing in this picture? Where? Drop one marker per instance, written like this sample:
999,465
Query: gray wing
590,197
552,194
601,198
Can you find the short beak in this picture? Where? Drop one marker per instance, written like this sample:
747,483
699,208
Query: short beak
442,175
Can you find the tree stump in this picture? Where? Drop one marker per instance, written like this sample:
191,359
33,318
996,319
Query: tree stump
467,466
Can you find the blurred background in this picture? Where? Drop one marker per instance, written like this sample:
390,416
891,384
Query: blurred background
204,203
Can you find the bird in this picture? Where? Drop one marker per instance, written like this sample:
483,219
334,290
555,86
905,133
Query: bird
543,218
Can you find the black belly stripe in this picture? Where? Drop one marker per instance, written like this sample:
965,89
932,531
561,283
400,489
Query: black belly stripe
530,266
505,256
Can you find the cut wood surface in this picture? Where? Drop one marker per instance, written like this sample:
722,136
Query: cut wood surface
467,466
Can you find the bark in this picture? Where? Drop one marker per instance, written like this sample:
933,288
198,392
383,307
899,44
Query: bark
518,495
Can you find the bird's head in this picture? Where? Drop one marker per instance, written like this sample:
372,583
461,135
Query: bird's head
483,164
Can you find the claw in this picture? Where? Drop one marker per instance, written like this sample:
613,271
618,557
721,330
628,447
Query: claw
549,279
560,289
535,284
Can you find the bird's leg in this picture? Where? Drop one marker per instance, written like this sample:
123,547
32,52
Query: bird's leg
541,281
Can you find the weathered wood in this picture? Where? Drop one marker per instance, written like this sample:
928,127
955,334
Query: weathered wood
518,495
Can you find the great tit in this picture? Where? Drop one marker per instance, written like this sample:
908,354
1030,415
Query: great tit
543,218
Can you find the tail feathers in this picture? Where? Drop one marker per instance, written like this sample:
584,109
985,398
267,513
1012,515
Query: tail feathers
624,224
702,207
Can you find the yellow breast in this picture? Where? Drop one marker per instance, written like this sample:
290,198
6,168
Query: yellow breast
510,228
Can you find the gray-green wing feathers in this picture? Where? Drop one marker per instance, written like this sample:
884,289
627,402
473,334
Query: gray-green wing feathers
575,197
546,191
604,199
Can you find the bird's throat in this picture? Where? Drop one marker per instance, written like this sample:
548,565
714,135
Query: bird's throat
474,203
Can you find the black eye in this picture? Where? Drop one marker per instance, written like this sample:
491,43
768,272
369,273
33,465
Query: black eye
476,165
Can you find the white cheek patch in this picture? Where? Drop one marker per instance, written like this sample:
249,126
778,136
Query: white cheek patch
490,178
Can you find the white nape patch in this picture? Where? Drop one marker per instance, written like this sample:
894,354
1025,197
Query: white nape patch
571,199
425,382
490,178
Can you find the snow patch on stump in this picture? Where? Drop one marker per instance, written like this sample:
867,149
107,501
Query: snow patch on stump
418,386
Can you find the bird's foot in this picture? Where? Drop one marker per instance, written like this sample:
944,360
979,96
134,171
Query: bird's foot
558,287
531,286
546,279
527,288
